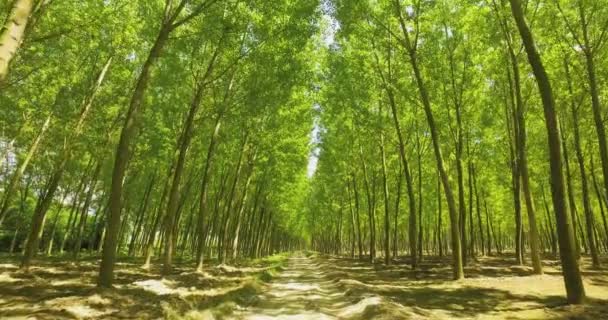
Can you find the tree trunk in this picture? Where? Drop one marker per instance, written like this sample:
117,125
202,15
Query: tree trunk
51,241
396,213
38,219
185,139
462,211
141,214
13,33
550,223
370,208
478,211
238,218
589,53
16,177
513,134
352,218
387,222
589,217
123,152
74,208
412,228
230,202
458,271
471,194
420,233
203,194
356,196
488,234
571,201
149,246
601,199
99,221
522,157
572,278
129,131
85,209
439,217
14,240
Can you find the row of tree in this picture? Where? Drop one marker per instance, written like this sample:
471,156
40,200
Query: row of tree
154,128
464,127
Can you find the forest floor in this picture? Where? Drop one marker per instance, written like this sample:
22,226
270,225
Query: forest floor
298,287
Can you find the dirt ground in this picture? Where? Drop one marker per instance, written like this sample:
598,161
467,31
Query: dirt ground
299,287
66,290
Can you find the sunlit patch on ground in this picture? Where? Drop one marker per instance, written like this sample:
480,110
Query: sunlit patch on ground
82,308
160,287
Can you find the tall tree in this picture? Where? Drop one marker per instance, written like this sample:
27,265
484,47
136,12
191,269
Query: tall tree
574,283
171,20
411,47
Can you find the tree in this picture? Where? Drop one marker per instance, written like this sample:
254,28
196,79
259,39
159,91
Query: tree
574,284
457,263
171,21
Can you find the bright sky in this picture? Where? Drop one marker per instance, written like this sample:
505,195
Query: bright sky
330,25
313,159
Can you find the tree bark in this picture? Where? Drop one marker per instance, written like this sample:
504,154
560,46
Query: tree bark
571,200
85,209
203,194
522,157
513,134
370,208
589,53
123,152
439,217
238,219
185,139
412,228
149,245
478,211
356,196
589,217
396,214
387,222
230,202
457,267
420,231
572,277
141,215
471,195
16,177
13,33
601,199
51,241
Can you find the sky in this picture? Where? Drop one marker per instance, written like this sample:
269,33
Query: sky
313,159
330,26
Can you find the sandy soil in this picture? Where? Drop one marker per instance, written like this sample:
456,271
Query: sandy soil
300,287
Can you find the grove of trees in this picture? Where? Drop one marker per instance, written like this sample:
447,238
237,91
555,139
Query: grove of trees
181,129
464,128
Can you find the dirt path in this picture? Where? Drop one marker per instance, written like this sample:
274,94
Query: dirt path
301,291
